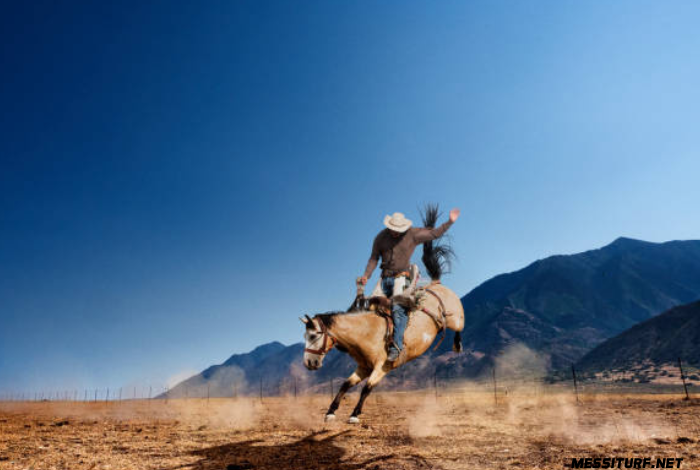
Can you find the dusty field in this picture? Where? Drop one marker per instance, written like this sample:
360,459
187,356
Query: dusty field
398,431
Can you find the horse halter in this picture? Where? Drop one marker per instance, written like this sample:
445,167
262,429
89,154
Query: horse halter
327,344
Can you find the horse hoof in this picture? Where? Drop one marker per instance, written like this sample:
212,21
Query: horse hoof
354,420
330,417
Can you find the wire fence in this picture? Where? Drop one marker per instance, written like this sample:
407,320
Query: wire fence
105,394
682,379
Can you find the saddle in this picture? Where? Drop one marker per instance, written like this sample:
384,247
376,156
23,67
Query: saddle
412,298
404,294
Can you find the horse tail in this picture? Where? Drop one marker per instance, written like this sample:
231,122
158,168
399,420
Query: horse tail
437,255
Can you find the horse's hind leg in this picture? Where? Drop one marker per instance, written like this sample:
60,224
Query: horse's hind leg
375,377
350,382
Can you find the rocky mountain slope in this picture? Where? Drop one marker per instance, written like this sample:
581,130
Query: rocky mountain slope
659,341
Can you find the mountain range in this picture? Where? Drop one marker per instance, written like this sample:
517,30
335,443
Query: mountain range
560,307
563,306
659,341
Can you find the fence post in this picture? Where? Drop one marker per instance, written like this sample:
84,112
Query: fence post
208,385
295,388
573,372
685,387
261,390
495,385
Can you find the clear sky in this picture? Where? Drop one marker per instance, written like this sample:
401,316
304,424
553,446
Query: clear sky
181,180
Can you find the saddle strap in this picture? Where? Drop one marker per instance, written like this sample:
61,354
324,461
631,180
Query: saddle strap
434,316
389,329
443,310
440,320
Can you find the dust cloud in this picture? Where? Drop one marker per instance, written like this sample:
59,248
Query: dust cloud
518,363
425,421
525,403
181,376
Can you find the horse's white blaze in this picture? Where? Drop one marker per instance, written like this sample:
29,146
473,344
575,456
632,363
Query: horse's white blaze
314,340
315,343
426,338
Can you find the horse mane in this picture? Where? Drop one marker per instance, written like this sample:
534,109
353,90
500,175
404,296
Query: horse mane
327,318
437,255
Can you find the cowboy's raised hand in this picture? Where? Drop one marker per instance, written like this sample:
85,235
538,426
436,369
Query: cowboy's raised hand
454,214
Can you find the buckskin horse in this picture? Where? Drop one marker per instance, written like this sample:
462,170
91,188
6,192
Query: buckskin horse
362,334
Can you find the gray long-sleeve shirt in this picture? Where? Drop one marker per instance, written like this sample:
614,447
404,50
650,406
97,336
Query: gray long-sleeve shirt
396,252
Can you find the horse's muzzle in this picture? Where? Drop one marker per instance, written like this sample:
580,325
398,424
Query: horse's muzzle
313,364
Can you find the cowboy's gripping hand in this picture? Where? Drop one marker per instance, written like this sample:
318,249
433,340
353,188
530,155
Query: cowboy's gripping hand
454,214
360,286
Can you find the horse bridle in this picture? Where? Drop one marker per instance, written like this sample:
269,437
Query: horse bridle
328,341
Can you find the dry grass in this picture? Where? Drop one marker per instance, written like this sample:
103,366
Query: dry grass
398,431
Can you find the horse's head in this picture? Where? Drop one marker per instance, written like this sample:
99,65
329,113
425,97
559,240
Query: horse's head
318,342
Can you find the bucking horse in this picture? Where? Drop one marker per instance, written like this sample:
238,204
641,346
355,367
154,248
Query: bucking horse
362,333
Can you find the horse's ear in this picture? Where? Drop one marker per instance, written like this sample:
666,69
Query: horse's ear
307,321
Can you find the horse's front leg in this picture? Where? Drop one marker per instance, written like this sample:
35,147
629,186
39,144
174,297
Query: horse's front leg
374,378
350,382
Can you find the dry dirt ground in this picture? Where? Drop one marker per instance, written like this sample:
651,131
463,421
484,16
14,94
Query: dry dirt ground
458,430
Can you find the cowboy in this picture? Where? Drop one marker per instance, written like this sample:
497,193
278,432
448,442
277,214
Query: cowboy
395,245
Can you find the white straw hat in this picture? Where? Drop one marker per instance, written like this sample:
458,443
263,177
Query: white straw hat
397,222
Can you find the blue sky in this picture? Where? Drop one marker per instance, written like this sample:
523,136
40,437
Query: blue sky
181,180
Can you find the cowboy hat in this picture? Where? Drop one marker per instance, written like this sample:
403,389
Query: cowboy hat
397,222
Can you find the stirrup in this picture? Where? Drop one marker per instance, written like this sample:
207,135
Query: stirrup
391,351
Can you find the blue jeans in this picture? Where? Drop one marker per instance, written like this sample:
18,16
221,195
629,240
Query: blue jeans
398,313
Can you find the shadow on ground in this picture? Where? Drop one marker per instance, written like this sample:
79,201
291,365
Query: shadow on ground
314,451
